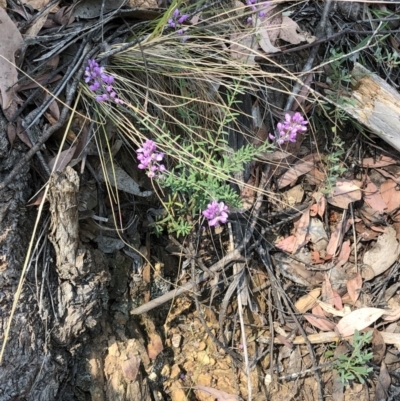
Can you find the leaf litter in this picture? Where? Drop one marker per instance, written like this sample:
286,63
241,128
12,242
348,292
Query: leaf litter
321,258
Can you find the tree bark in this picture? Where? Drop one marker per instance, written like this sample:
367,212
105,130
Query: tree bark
72,337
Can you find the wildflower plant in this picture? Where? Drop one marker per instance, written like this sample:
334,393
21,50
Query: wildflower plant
353,366
181,107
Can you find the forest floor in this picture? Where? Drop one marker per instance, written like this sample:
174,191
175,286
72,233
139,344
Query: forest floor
233,171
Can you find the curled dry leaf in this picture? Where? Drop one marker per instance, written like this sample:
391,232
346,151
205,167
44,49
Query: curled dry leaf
321,203
289,32
155,345
294,172
354,286
380,161
242,47
392,316
344,193
378,347
373,197
385,252
63,160
390,195
336,236
327,292
267,29
308,301
344,254
358,320
331,309
320,322
383,383
117,177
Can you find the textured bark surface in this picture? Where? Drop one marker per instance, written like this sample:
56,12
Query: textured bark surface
72,337
376,105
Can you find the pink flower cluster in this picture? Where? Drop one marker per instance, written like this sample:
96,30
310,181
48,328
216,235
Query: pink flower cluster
100,83
150,160
289,129
177,20
216,213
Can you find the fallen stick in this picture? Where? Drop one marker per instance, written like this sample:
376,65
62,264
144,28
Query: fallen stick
227,259
375,104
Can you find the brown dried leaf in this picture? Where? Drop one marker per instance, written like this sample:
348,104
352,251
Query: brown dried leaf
11,41
390,195
392,316
344,254
307,301
296,171
321,203
381,161
268,28
130,367
383,254
378,347
337,300
302,229
327,292
354,286
373,197
242,47
155,346
344,193
320,322
287,244
335,239
358,320
63,160
383,384
288,31
36,4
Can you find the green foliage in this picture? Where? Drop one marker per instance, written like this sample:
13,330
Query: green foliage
333,165
353,366
203,170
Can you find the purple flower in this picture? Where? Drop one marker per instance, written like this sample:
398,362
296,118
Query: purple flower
289,128
100,83
150,160
216,213
177,20
255,6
